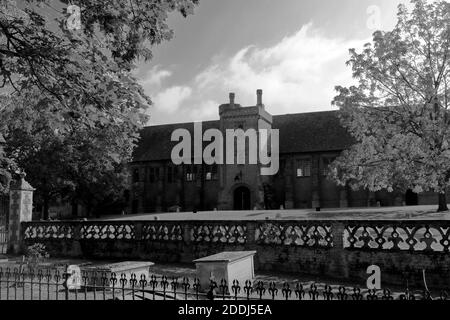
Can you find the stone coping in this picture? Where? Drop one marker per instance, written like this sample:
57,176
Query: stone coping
230,256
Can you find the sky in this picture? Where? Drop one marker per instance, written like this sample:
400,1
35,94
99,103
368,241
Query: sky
294,50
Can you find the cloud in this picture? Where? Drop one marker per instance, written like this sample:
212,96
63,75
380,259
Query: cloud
153,79
297,74
170,100
206,110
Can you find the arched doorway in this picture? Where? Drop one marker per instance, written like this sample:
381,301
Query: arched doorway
411,198
242,198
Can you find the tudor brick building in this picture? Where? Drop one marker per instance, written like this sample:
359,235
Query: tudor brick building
308,143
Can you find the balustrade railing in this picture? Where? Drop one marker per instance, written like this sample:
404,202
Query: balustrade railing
415,236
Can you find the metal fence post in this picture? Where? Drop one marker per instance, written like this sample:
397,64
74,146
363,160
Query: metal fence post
66,280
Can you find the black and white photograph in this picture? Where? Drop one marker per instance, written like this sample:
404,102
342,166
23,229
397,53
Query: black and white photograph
225,159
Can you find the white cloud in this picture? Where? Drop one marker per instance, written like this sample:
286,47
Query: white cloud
153,79
171,99
206,110
298,74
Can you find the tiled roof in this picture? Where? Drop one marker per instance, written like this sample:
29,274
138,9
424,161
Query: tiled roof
299,133
311,132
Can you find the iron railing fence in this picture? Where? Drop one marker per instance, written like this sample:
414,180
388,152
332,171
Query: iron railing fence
57,284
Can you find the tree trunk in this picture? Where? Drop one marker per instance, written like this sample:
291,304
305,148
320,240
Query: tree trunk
442,202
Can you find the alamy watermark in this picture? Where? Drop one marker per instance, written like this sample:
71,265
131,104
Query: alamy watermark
374,19
254,147
73,22
374,279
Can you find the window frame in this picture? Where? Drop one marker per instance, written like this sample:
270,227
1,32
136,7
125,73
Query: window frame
212,171
300,165
190,174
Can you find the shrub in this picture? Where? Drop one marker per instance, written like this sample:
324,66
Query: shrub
35,254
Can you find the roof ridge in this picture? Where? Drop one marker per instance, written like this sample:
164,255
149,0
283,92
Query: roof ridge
305,113
179,123
211,121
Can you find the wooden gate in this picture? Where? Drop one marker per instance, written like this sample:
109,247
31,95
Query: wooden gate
4,215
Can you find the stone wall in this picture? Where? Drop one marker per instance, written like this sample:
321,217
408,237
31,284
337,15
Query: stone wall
335,249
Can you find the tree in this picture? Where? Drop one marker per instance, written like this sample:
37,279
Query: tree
81,67
84,165
398,113
5,168
83,77
66,90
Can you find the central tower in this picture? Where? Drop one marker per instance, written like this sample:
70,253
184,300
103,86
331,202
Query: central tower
241,185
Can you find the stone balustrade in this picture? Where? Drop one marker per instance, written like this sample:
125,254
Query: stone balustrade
336,248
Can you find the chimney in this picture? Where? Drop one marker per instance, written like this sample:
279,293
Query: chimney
259,94
232,95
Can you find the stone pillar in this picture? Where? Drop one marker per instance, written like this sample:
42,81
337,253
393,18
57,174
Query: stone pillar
21,210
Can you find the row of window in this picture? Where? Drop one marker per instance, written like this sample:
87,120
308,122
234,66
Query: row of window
304,167
152,174
191,174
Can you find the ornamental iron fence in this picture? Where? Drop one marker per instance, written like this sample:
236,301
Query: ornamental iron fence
22,283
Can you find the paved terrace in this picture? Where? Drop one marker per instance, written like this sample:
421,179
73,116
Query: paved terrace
384,213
